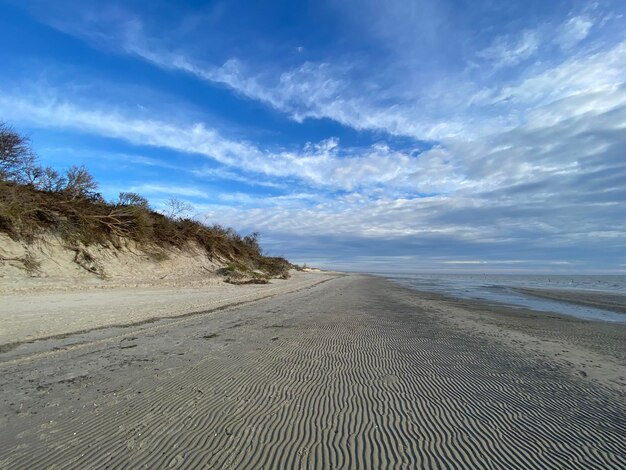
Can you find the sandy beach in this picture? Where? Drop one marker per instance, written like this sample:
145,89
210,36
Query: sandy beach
32,315
326,371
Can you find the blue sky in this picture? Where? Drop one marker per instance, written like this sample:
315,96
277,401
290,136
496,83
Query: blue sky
380,136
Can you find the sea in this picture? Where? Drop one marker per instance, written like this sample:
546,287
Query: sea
499,288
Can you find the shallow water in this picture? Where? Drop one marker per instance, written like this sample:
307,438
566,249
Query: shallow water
499,288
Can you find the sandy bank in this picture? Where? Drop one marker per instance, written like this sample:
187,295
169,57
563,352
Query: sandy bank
48,264
355,372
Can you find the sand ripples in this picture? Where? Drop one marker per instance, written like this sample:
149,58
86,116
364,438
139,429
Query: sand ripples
356,386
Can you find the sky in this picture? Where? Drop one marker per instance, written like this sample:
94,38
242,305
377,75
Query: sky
396,136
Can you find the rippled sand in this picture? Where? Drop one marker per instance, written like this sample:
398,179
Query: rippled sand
351,373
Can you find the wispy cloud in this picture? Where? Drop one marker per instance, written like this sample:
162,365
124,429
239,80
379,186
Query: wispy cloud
596,72
322,164
324,90
458,105
489,188
511,261
507,51
573,31
221,173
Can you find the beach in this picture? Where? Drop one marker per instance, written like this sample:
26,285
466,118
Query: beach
32,314
325,371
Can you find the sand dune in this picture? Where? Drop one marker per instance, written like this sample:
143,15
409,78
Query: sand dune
352,373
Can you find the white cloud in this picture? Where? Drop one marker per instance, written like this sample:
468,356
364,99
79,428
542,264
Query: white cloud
294,200
507,52
573,31
548,146
532,159
455,106
322,90
223,173
511,261
601,72
545,189
323,164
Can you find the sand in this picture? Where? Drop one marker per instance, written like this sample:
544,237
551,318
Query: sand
61,268
353,372
29,315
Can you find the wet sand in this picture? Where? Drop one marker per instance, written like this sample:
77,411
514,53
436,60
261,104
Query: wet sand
601,300
355,372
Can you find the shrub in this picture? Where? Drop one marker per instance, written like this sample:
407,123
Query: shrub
16,157
175,208
49,179
133,199
79,183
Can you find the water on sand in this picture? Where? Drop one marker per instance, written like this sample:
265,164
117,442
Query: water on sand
503,289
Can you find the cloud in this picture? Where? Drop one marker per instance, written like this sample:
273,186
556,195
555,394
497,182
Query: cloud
513,261
552,179
324,90
506,52
596,72
510,50
573,31
357,93
531,193
221,173
323,164
426,229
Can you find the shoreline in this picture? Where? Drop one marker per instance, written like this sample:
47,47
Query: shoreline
612,302
604,302
593,349
68,314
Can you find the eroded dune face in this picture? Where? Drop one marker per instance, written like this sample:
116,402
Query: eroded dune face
62,268
354,372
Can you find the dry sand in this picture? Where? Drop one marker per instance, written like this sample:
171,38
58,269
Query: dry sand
27,316
354,372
